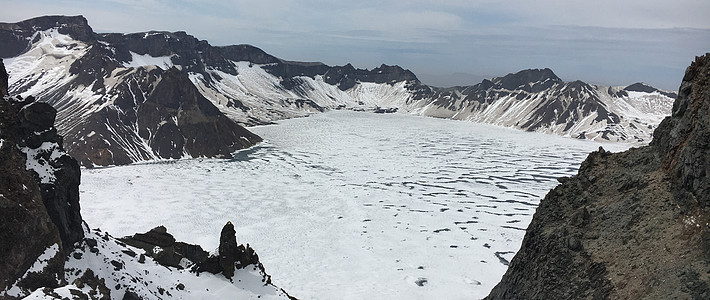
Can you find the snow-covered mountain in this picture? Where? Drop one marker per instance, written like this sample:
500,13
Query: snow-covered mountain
130,97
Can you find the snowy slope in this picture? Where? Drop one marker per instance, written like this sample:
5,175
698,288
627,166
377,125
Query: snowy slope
113,107
124,268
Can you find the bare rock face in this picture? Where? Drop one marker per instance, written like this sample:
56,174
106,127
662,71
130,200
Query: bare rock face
3,80
231,256
161,246
684,138
631,224
228,250
39,213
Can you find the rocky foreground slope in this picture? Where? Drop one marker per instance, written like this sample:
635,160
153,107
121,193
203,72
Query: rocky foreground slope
48,252
153,95
631,225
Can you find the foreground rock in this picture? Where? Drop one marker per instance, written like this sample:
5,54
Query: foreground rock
631,224
39,195
161,246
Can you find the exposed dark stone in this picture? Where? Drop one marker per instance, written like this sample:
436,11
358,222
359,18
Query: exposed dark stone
3,80
228,250
231,256
98,291
201,129
544,78
157,236
34,215
169,253
194,253
131,295
684,138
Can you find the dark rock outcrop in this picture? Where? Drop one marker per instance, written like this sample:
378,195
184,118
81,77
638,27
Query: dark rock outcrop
39,195
3,80
57,173
231,256
228,250
631,224
161,246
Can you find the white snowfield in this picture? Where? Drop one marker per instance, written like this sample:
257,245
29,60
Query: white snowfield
347,205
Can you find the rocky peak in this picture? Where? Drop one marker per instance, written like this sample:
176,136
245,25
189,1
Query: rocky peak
683,139
642,87
347,76
247,53
525,79
3,79
15,35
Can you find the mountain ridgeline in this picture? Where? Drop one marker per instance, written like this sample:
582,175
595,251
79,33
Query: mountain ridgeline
123,98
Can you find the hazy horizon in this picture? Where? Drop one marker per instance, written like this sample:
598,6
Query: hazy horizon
445,44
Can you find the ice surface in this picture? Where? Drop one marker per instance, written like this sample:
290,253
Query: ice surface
346,205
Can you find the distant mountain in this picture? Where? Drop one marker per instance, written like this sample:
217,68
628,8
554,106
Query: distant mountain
111,114
130,97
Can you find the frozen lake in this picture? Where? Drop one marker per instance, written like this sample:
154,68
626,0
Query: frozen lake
347,205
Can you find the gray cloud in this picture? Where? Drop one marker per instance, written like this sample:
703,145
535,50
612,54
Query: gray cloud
604,41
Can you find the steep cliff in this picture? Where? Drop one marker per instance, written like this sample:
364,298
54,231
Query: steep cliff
629,225
39,195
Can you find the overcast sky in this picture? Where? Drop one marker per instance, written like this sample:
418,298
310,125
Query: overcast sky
611,42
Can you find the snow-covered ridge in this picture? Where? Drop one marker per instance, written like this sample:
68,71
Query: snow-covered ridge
99,83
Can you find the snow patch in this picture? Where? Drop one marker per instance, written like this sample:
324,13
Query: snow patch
37,267
37,161
145,60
